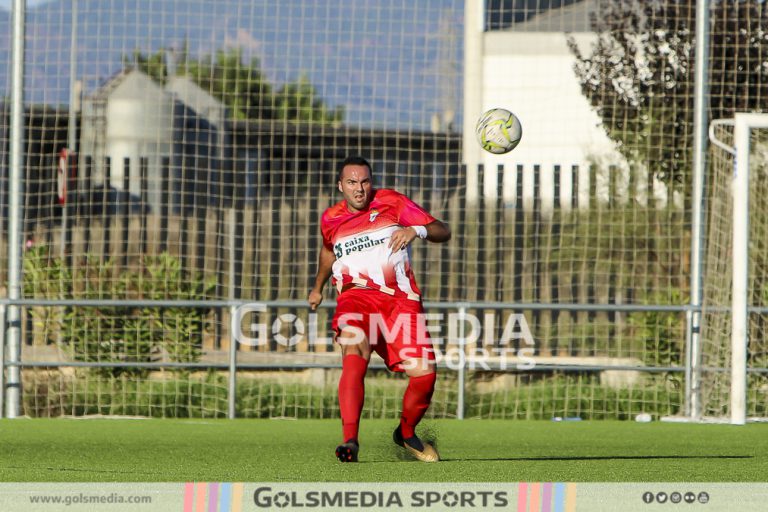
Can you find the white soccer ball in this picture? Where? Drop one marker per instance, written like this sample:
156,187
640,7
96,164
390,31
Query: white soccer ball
498,131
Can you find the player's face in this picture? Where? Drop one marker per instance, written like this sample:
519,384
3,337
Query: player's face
356,186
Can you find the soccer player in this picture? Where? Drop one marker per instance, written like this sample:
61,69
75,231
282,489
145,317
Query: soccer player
366,248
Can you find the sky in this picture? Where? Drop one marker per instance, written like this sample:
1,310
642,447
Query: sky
6,4
398,64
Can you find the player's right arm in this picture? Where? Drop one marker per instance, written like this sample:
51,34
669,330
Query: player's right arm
324,270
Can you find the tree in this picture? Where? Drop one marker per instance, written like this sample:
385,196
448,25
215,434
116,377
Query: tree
242,86
299,100
640,75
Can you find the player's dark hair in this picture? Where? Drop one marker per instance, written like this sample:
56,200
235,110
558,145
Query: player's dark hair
353,160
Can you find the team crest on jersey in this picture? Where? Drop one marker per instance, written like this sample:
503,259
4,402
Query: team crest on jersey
373,215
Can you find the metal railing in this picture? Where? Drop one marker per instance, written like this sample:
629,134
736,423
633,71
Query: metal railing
232,366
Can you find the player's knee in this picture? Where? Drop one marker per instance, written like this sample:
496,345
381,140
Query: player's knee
350,346
351,336
357,350
416,367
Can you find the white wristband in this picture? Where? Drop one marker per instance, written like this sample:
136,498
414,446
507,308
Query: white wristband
421,231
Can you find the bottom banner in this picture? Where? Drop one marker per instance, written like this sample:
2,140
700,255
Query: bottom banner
518,496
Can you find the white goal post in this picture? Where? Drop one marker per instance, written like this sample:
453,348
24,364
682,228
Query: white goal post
743,125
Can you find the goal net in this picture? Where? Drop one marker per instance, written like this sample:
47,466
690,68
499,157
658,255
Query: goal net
734,352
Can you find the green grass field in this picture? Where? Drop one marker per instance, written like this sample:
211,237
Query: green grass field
124,450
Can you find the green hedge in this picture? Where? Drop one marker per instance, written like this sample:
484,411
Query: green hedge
118,334
205,396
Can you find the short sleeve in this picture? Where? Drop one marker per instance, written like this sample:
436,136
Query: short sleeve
411,214
327,244
326,232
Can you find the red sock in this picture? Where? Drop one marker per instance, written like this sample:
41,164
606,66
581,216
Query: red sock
351,393
416,401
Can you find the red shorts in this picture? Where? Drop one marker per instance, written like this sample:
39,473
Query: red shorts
394,326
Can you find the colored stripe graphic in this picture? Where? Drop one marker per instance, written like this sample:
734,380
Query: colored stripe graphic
237,497
559,497
570,497
535,500
226,497
200,497
189,493
522,497
213,496
546,497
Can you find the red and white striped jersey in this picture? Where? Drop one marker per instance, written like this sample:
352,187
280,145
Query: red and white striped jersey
360,241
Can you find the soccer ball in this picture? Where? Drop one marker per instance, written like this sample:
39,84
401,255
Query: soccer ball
498,131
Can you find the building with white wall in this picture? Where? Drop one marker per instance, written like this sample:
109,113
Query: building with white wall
528,69
178,131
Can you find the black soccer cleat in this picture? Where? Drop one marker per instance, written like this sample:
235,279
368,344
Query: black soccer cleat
347,452
424,452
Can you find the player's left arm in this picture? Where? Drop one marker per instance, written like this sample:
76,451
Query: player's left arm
436,231
417,222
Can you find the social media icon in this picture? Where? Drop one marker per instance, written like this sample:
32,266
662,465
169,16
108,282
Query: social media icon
675,497
703,497
661,497
689,497
648,497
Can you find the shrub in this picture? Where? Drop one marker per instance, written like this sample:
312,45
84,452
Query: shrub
118,334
